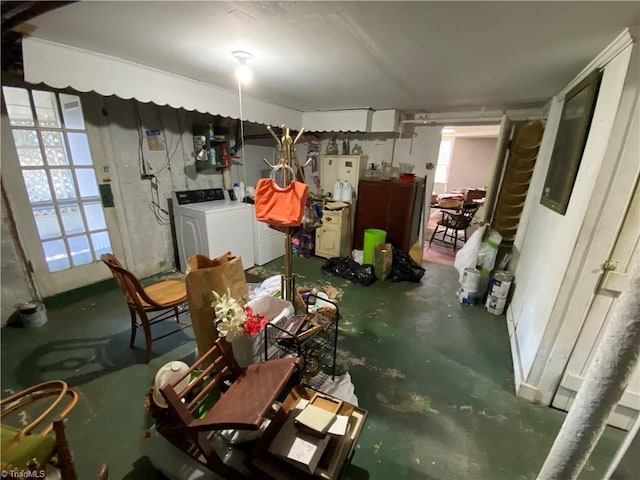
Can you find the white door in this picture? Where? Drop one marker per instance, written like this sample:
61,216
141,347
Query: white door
50,169
613,282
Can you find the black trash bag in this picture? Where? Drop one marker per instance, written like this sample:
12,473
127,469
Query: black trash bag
404,269
349,269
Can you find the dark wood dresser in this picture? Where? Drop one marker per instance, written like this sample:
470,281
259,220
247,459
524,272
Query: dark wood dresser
392,206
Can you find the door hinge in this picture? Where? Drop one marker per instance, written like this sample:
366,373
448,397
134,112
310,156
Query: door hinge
611,279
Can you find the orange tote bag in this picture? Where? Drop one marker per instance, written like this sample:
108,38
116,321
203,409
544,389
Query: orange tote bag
280,206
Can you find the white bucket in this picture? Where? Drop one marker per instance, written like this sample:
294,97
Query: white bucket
468,291
467,296
471,279
32,314
500,284
495,305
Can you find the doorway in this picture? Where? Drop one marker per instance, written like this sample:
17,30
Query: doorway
462,177
50,175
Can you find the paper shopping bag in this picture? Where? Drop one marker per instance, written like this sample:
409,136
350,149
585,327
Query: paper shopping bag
382,260
205,274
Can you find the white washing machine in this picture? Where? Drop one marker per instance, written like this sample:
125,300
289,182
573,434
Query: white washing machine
208,223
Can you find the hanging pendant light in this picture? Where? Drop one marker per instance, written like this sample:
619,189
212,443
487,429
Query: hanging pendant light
243,72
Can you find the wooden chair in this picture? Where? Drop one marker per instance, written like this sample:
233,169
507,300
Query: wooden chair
454,222
24,449
243,405
167,297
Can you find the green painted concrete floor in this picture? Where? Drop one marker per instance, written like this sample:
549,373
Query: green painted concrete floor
436,378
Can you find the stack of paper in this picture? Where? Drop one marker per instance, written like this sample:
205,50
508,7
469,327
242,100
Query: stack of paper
314,420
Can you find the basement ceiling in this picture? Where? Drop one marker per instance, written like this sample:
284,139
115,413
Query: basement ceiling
308,56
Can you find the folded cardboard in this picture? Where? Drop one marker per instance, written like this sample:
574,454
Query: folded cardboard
298,448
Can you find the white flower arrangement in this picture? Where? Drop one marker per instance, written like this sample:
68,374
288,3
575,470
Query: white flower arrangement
233,320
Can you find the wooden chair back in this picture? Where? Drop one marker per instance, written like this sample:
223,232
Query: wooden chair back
459,221
52,388
59,390
128,282
218,364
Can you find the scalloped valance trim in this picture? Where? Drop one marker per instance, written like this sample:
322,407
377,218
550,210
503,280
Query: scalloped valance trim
62,66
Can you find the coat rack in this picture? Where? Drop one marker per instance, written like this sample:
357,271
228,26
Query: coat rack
286,155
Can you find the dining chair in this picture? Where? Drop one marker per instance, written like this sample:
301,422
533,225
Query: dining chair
451,223
168,297
28,448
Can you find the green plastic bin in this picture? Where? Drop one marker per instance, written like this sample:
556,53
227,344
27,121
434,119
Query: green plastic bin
372,237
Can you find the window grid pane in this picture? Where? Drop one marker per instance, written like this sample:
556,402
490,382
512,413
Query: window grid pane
30,157
18,107
54,147
55,254
71,219
72,111
26,138
87,183
37,185
47,222
72,233
79,146
46,109
101,243
95,216
81,253
63,184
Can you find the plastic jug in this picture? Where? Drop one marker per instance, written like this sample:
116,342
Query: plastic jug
346,192
337,191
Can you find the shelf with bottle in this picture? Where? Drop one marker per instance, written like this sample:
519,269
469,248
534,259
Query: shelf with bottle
211,147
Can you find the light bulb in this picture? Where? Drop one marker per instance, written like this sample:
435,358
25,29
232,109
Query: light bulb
243,73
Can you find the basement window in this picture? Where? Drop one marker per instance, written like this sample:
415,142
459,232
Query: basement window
444,160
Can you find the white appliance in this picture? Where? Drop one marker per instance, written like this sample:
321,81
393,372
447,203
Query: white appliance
208,223
268,244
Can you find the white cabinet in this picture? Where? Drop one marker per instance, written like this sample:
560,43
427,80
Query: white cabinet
341,167
333,238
